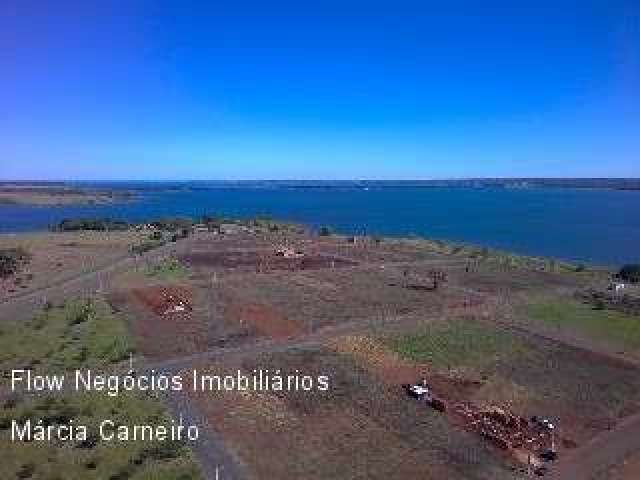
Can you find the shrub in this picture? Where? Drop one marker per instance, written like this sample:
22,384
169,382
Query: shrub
100,224
143,247
12,260
176,224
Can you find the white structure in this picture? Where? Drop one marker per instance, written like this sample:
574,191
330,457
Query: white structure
617,287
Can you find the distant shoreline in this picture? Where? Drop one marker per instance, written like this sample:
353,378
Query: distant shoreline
577,224
103,189
57,195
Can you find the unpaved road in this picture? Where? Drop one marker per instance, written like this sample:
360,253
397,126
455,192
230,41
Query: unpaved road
216,461
25,306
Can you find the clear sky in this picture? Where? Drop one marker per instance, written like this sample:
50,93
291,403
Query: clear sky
325,89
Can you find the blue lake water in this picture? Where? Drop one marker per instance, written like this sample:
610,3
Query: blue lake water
594,226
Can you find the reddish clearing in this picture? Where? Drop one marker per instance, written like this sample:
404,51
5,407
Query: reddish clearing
264,320
262,260
161,300
161,335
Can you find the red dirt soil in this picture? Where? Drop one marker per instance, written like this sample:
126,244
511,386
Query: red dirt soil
262,260
264,320
161,299
162,335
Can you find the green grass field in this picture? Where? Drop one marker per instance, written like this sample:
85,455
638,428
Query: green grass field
76,334
94,458
167,269
458,344
615,328
81,334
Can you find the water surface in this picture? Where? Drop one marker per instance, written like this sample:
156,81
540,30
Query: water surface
594,226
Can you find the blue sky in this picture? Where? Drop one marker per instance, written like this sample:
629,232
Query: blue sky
325,90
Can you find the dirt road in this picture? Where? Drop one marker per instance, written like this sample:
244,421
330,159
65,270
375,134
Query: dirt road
216,461
25,306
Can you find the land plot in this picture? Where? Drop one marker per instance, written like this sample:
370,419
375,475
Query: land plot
161,329
256,260
332,297
361,427
56,257
488,280
205,242
606,328
262,320
585,393
371,253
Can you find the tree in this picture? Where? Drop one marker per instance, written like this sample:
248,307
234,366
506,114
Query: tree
630,273
324,231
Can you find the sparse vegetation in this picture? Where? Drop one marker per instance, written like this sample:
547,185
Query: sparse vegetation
93,458
167,269
77,334
146,246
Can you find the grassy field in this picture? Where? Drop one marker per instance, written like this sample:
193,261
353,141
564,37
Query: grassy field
616,328
93,458
458,344
81,333
167,269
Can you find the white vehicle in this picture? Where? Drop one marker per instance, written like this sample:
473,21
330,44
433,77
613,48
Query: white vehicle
419,391
543,423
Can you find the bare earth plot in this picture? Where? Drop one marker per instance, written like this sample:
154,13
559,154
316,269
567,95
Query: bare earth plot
362,428
234,304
